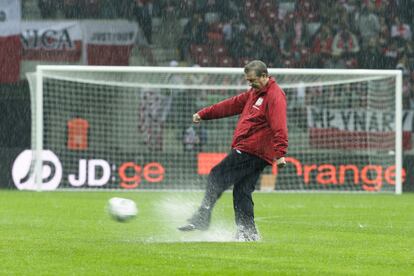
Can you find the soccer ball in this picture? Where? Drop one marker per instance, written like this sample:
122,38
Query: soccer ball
122,209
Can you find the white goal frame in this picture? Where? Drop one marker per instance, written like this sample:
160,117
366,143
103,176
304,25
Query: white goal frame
40,73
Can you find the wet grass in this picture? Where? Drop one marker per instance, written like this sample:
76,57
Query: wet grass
69,233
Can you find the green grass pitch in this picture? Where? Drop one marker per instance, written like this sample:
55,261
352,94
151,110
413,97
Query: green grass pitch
69,233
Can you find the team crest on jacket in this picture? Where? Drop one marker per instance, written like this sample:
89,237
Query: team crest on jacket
259,102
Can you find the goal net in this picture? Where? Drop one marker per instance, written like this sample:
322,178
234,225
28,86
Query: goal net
131,128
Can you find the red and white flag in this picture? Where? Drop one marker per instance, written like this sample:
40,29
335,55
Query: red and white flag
10,46
109,43
52,40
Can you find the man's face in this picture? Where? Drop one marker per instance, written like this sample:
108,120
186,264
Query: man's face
255,81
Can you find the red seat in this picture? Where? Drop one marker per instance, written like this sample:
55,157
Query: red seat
196,49
251,15
248,5
204,60
312,17
271,17
216,27
219,50
215,37
289,63
267,6
224,61
243,61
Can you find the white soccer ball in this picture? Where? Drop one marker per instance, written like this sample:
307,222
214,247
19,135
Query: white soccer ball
122,209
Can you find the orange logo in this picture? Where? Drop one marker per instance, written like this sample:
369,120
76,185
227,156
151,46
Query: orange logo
131,174
371,177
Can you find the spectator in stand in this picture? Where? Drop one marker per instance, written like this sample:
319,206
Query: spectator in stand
299,29
87,8
404,65
287,38
143,15
345,42
122,8
350,5
195,32
386,9
333,7
238,33
72,9
328,8
409,51
295,46
228,30
322,45
185,8
169,23
406,94
144,48
247,47
270,48
92,8
371,55
400,29
335,62
253,42
308,9
384,37
213,6
411,99
384,34
48,8
405,10
109,9
391,53
367,24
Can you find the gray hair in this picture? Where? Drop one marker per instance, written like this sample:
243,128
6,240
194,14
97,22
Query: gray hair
258,66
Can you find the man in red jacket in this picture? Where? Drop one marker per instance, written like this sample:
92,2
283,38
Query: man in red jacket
260,138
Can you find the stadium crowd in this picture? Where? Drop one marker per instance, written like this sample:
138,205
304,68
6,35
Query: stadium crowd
372,34
302,34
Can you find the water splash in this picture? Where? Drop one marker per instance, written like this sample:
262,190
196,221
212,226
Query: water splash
173,211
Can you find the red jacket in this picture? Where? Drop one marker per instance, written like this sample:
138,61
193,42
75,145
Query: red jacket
261,129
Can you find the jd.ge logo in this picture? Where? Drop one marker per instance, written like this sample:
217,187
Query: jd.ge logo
23,171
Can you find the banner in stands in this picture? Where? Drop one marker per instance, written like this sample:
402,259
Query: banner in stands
52,40
109,43
356,128
93,42
10,46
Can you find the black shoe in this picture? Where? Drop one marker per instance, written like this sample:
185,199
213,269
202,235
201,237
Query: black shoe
199,221
187,228
191,227
244,235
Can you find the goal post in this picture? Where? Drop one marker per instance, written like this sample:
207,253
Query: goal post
129,128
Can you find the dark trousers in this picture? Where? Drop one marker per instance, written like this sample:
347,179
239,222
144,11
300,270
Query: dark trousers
242,170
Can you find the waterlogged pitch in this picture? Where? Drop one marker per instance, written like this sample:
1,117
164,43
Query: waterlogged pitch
70,233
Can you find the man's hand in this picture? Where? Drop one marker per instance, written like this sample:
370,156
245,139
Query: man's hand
281,162
196,118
